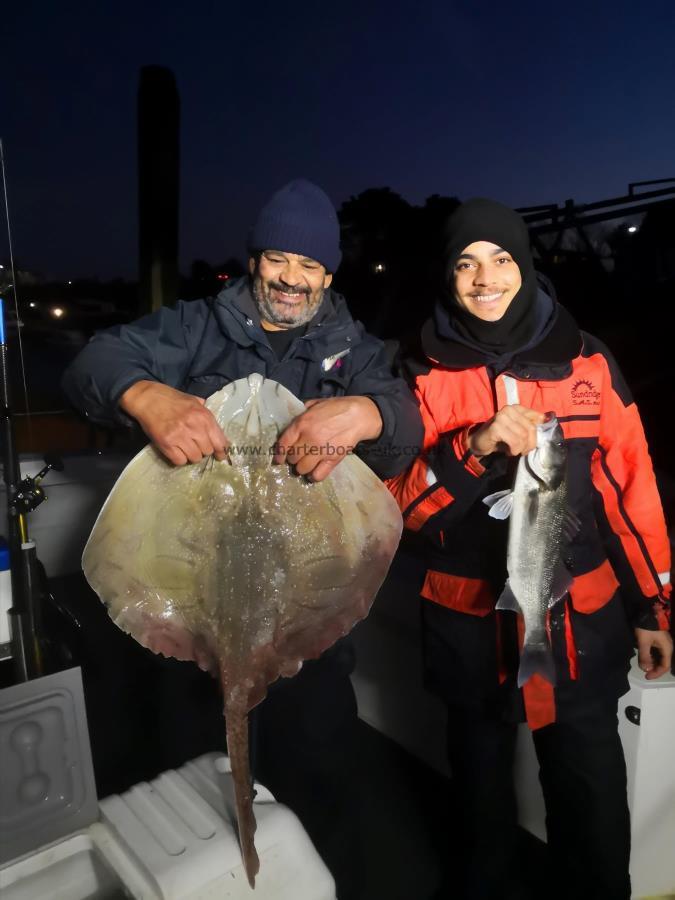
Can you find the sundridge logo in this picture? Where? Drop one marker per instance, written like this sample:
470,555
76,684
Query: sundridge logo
584,394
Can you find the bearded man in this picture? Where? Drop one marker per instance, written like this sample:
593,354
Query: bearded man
286,323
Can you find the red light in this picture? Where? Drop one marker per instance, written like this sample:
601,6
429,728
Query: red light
223,276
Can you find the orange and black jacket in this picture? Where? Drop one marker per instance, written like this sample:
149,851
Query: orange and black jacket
620,556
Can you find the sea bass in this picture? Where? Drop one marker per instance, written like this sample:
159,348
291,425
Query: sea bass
540,524
241,565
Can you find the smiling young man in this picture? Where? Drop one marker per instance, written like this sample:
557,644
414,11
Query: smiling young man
486,280
285,322
498,354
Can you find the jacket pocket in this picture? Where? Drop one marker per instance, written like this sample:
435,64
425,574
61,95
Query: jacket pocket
466,595
333,385
593,590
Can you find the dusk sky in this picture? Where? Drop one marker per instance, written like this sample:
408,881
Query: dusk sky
523,102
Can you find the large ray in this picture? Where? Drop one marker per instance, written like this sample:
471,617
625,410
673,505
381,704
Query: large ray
241,565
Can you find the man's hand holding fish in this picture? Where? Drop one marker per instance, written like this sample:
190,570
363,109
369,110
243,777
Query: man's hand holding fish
179,425
318,439
513,430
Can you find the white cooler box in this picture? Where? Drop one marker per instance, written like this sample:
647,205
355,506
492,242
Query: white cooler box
170,839
647,730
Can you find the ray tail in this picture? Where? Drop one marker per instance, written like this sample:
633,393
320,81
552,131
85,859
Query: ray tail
236,720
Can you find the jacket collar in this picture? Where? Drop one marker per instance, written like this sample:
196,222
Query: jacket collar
549,358
332,326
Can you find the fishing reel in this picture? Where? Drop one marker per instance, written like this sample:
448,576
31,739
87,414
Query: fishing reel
29,495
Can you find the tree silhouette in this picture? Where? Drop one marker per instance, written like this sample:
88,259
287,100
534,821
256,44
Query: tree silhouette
391,251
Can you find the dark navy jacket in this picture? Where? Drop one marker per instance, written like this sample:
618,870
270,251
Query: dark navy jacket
202,345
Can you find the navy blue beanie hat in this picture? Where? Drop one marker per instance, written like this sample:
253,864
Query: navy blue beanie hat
299,218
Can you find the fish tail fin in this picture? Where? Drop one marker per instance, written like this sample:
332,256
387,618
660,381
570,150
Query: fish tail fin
536,659
236,723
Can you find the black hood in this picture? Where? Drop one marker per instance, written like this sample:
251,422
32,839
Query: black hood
555,342
486,220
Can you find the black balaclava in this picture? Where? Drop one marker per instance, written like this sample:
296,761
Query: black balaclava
486,220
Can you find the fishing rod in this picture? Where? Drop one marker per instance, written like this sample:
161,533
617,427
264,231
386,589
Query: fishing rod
23,496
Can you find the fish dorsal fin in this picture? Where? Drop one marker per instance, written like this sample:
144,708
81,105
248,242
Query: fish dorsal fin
507,600
562,582
500,503
491,499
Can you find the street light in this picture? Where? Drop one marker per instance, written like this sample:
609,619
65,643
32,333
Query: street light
632,229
